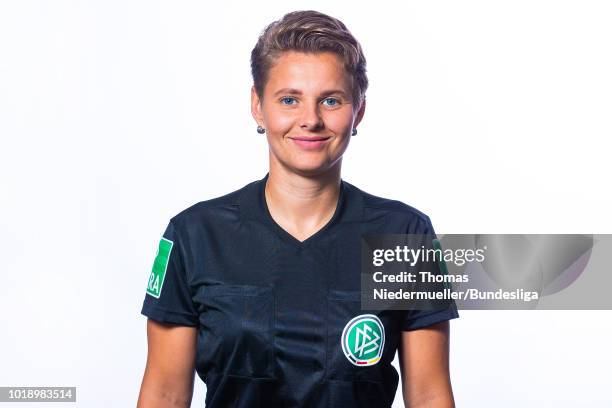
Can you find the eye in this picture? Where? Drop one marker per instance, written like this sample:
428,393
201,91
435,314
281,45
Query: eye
331,102
287,100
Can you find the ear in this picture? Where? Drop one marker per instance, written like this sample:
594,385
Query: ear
360,112
256,107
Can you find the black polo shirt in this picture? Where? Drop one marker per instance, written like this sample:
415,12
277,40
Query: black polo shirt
272,313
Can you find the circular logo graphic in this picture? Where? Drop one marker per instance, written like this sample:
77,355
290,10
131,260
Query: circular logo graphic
363,340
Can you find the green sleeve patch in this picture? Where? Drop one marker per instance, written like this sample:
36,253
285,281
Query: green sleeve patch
160,265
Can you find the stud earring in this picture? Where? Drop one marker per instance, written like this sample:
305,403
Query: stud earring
354,132
260,130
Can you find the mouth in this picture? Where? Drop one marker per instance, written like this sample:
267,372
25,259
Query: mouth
310,142
310,138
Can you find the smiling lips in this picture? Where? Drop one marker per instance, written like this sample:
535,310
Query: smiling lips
310,143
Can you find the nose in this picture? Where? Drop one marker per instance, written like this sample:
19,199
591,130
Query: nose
311,118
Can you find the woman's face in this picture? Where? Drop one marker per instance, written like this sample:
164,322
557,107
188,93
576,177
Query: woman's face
307,111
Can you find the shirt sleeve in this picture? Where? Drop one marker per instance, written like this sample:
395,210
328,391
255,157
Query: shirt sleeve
417,319
168,295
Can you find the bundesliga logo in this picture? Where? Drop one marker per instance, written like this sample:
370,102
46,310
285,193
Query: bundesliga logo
363,340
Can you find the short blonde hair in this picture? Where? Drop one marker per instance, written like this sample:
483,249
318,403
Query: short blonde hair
309,31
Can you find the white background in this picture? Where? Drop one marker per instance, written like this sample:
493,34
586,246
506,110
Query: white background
490,116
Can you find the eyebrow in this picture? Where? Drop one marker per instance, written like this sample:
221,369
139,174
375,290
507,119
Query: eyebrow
293,91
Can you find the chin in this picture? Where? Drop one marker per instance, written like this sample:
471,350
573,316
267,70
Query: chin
311,169
307,165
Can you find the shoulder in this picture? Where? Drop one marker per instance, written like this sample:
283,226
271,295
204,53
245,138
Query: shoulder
224,205
376,207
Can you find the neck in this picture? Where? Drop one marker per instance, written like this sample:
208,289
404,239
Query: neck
302,204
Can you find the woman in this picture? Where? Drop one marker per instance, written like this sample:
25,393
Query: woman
255,289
